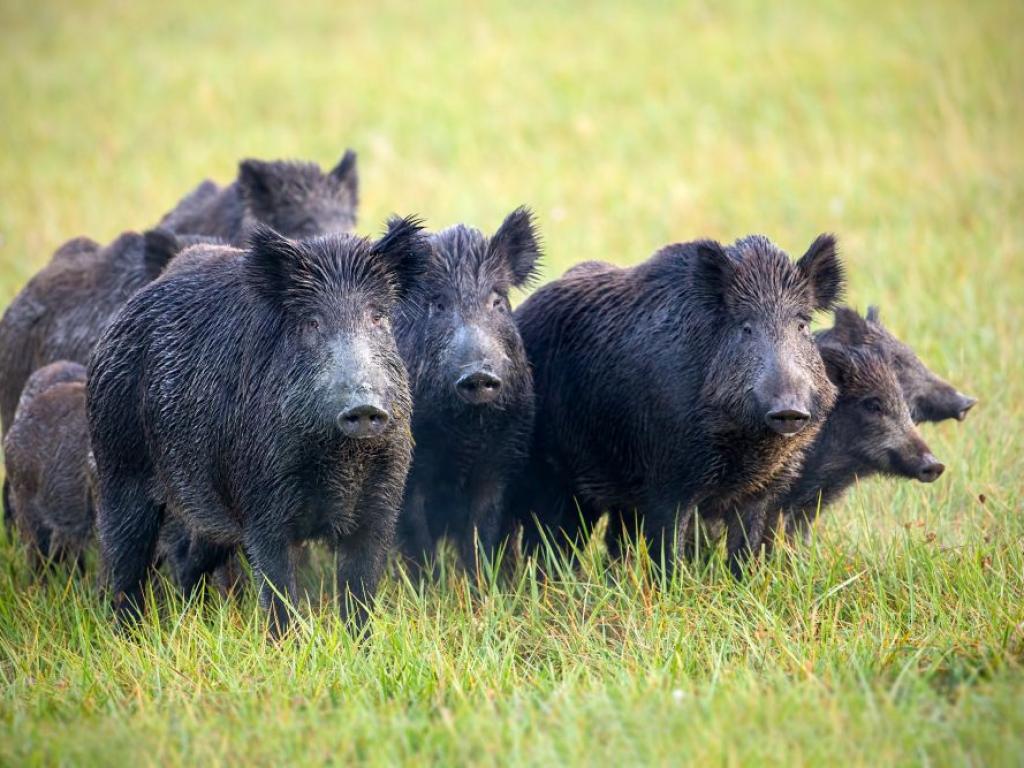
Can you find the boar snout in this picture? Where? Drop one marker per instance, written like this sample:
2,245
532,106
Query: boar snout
930,469
941,403
478,362
363,419
785,397
915,459
965,403
479,387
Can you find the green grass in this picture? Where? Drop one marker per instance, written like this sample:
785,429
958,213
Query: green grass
896,638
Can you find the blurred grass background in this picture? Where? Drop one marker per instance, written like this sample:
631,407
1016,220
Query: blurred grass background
625,126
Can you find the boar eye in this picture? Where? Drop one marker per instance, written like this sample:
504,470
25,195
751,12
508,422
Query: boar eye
748,329
872,405
377,317
313,324
497,300
437,304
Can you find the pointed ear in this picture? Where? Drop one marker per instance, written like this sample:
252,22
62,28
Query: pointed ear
823,271
160,247
850,328
346,175
839,365
271,262
257,181
405,252
517,244
713,273
873,313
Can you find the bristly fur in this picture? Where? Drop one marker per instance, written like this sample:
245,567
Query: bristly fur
61,312
518,243
45,453
216,396
645,393
458,321
855,443
297,274
294,198
929,397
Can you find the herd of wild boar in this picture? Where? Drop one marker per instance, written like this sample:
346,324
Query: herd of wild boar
250,375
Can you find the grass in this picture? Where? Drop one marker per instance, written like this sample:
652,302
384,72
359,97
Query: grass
896,637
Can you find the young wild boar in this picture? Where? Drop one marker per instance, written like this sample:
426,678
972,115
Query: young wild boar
869,432
261,401
929,397
61,312
472,390
45,451
294,198
690,377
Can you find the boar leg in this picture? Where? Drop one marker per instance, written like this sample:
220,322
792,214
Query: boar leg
361,560
484,524
8,508
663,524
703,534
202,560
129,525
798,523
745,534
270,556
417,543
623,529
37,534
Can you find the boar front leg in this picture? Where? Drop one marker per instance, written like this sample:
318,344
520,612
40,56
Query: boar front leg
270,555
362,554
484,523
663,522
746,533
416,541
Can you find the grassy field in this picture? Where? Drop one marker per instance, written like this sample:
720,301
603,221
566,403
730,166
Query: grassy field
896,637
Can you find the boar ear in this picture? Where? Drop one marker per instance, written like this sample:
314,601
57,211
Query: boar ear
346,175
270,262
405,251
257,181
873,314
160,247
823,271
517,244
849,328
839,364
713,272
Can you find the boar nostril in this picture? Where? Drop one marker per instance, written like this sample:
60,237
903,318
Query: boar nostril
479,387
931,469
363,421
787,421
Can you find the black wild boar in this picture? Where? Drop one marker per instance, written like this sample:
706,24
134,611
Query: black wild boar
869,432
45,451
61,312
690,377
928,396
472,390
261,401
294,198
